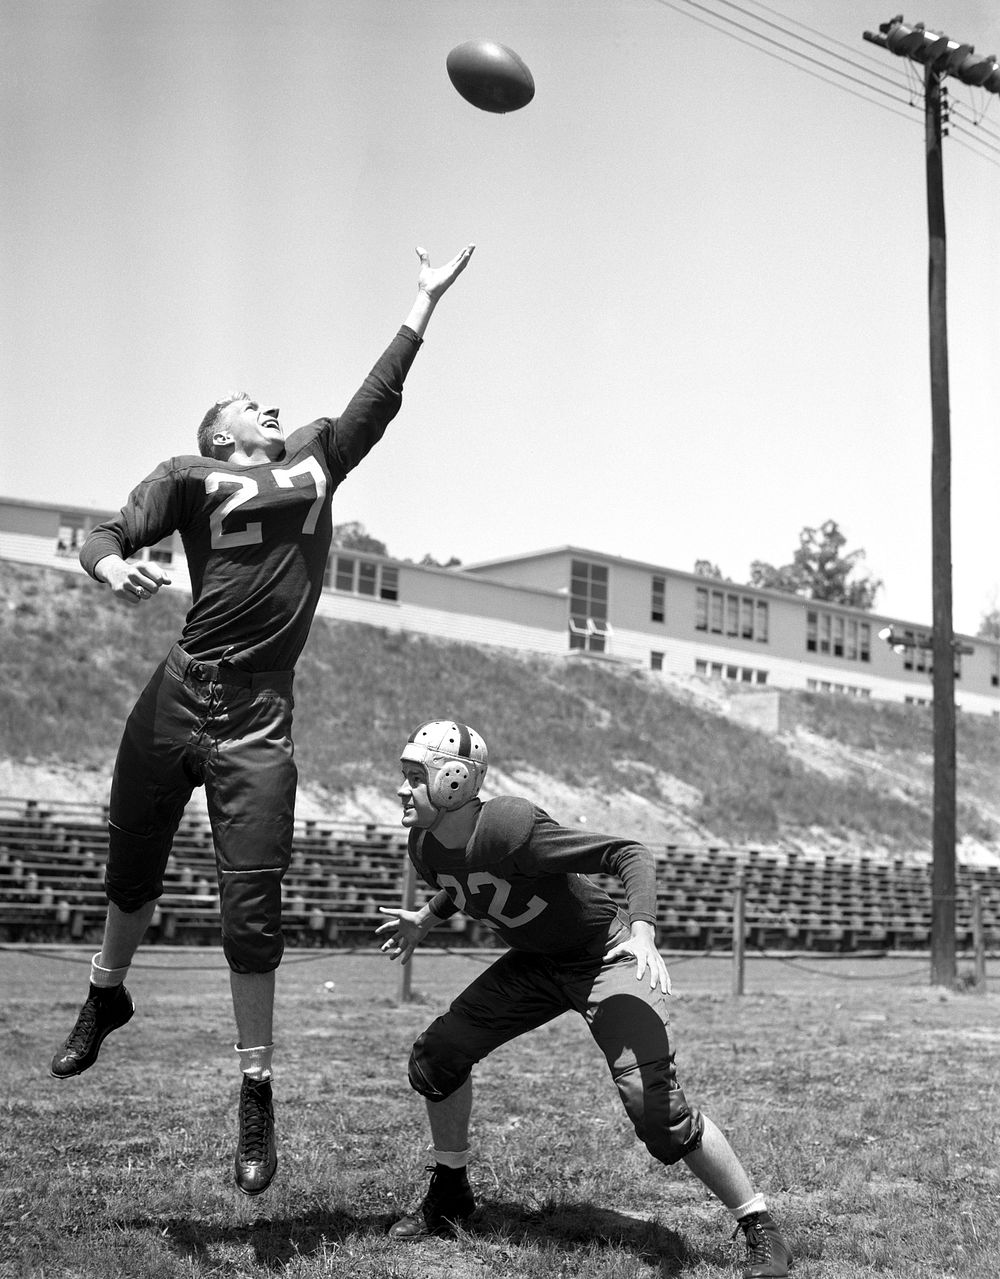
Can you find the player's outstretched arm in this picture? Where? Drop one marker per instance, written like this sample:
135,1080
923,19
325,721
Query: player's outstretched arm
131,583
405,930
432,284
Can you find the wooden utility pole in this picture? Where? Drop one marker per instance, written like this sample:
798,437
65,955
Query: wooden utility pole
943,969
940,56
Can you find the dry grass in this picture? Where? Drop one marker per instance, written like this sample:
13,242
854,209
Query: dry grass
864,1102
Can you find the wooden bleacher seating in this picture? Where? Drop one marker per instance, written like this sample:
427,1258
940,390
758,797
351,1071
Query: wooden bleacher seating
52,866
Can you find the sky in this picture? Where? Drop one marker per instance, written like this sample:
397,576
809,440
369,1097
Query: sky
695,322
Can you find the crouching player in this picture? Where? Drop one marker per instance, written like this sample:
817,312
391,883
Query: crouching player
571,947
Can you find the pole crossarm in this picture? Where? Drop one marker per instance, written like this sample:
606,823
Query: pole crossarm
901,641
942,55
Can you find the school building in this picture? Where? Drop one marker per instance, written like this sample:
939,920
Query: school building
576,602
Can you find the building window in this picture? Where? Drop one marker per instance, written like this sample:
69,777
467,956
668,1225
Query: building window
701,610
656,661
588,606
356,576
834,635
657,607
71,536
726,671
727,613
827,686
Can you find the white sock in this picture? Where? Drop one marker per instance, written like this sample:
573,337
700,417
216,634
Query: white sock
451,1158
105,977
757,1204
256,1062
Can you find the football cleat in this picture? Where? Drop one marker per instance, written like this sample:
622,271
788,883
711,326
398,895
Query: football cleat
768,1256
257,1150
449,1203
105,1009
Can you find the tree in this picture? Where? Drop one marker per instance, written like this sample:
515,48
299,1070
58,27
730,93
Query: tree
705,568
989,625
430,562
353,536
820,570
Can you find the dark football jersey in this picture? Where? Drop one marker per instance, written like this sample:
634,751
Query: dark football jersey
257,537
526,876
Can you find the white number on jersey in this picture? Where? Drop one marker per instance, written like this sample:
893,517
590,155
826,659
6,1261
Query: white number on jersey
501,891
247,488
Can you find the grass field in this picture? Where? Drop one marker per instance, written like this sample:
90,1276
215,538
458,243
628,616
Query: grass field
864,1102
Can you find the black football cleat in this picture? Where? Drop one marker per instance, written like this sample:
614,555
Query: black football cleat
768,1256
256,1150
449,1203
106,1008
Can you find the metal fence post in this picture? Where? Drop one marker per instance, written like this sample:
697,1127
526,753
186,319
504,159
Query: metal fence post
409,900
739,930
978,943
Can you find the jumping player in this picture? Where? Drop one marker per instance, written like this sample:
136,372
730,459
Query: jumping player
254,514
508,863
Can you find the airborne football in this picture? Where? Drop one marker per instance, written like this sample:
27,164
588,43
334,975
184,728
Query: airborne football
490,76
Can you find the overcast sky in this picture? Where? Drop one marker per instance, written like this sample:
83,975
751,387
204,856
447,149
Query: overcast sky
696,319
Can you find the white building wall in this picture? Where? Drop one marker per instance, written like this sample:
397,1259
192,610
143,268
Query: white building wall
680,658
460,627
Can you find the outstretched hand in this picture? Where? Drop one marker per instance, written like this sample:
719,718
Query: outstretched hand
406,933
435,280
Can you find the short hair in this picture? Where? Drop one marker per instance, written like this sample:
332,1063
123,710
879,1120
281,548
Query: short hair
207,428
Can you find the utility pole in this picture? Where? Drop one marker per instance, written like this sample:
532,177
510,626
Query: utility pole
940,57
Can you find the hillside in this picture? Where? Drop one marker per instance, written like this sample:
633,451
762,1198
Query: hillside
619,748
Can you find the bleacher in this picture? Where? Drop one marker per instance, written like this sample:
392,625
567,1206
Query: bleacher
52,865
52,878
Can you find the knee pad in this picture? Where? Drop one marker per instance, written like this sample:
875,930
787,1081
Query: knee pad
250,905
666,1125
433,1071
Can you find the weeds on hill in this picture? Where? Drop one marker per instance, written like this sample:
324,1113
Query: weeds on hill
73,664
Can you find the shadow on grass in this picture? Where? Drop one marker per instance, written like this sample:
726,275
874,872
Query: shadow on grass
552,1227
576,1226
274,1241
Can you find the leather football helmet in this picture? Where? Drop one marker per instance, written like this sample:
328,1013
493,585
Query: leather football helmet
455,758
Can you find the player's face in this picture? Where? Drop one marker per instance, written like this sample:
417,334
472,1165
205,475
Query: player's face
251,427
418,811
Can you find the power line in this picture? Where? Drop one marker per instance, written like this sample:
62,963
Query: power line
876,62
801,61
957,129
987,132
823,48
684,9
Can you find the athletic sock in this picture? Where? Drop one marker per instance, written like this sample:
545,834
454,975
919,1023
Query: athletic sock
105,978
757,1204
256,1062
453,1159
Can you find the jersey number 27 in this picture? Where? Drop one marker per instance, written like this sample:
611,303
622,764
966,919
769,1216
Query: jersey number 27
246,489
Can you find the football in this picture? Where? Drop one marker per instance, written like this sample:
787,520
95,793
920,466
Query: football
490,76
